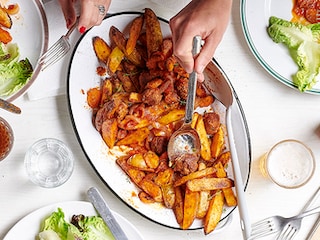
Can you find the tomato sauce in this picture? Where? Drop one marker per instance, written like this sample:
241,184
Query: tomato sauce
306,11
6,139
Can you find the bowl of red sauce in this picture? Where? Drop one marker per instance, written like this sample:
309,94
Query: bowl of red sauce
6,138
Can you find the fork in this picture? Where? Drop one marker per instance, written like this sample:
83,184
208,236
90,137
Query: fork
291,229
274,224
58,50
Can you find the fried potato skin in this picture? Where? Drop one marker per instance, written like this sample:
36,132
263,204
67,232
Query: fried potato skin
5,19
214,213
101,49
135,30
191,203
153,32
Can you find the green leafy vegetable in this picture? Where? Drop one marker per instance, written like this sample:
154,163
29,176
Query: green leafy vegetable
92,228
80,228
56,222
303,42
14,73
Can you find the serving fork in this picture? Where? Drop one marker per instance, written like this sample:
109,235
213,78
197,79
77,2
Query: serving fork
58,50
290,230
274,224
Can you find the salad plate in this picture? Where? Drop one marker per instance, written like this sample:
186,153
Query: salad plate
29,226
30,32
273,57
82,76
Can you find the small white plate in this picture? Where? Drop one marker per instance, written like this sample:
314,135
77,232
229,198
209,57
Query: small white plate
28,227
30,31
275,58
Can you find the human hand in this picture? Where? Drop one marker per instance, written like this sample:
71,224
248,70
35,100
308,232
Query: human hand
205,18
92,12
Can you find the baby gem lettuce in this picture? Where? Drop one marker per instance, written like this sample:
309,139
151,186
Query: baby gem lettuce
14,73
81,227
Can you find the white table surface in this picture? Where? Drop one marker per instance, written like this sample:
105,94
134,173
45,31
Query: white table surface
273,112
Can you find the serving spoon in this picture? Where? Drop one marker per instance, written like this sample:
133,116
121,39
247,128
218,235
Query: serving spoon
185,142
223,92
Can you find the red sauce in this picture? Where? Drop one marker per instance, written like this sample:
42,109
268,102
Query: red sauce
5,140
306,11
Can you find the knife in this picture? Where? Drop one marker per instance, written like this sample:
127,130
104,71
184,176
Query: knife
9,106
104,211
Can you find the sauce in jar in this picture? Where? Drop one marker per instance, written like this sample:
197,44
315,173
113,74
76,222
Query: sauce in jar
6,139
306,11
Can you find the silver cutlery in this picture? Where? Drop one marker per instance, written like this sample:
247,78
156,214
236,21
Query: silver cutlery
58,50
314,234
104,211
9,106
291,229
274,224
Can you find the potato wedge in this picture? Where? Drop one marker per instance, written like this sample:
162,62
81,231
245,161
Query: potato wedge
205,184
109,131
135,175
217,143
172,116
228,193
191,203
5,19
203,101
5,36
224,158
151,159
94,97
134,137
137,161
153,32
204,200
145,198
168,195
114,59
164,177
194,119
106,91
229,197
195,175
134,33
119,39
131,124
178,205
152,189
135,97
205,151
214,212
127,84
101,49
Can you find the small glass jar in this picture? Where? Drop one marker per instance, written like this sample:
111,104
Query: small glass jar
289,164
6,139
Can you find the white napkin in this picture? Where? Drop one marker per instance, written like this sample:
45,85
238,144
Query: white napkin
52,81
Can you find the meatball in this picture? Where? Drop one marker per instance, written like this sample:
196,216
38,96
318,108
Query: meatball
211,122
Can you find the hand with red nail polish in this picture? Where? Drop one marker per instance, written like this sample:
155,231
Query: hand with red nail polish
92,12
82,29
